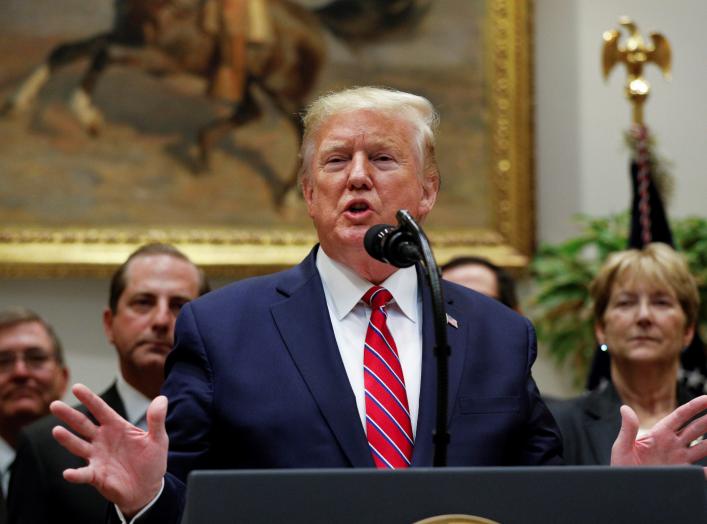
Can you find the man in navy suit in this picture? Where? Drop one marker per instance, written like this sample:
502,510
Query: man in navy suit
267,372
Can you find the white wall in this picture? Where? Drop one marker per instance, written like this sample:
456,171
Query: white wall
581,164
556,118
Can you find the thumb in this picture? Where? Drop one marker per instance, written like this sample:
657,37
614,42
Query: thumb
625,441
156,415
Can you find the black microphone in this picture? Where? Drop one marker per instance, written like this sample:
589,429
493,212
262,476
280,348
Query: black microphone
394,246
402,247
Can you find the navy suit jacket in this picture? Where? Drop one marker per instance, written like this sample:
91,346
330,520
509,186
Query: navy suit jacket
256,381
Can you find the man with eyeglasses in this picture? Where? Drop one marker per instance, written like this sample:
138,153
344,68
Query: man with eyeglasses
32,376
146,293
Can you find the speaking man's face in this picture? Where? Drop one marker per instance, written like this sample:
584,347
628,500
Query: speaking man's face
365,167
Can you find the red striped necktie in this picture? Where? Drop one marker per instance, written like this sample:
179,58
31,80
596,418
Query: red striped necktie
387,415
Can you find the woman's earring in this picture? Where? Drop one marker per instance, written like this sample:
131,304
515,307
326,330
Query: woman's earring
604,347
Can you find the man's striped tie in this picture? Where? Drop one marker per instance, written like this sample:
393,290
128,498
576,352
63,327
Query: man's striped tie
387,415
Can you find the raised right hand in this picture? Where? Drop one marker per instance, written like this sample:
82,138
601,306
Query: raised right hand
124,463
675,439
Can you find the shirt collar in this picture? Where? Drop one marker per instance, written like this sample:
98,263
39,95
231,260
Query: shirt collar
346,288
7,456
134,402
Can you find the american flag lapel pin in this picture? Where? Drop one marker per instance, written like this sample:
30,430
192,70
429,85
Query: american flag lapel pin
452,321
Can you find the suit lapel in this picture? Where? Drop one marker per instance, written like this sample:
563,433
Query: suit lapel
457,339
303,322
111,397
603,422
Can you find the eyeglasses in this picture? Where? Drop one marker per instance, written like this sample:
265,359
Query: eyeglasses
34,359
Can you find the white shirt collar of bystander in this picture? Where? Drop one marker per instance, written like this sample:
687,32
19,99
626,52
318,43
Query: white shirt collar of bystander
134,402
7,457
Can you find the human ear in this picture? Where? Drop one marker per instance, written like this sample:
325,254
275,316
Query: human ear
599,333
430,188
108,324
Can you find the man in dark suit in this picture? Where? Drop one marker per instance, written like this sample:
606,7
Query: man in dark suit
32,375
284,370
146,293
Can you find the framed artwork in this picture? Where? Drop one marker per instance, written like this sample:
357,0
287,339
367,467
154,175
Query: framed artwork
80,190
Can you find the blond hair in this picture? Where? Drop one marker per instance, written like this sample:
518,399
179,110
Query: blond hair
414,109
656,262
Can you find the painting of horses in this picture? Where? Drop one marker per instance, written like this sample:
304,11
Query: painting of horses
108,118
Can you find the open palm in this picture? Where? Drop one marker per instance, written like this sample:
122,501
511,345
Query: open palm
124,463
670,441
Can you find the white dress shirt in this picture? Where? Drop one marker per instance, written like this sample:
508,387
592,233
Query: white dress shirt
134,402
343,290
7,457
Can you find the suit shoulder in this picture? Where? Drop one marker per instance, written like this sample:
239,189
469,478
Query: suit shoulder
566,409
41,430
253,289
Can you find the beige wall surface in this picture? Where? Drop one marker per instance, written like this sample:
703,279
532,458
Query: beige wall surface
582,164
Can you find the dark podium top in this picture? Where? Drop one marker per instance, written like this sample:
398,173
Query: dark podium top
526,495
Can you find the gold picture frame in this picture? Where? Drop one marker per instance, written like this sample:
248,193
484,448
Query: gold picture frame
234,252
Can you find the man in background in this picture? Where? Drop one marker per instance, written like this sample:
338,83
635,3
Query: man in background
146,293
32,375
482,275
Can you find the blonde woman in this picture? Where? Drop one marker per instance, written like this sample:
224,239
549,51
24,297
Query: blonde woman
645,305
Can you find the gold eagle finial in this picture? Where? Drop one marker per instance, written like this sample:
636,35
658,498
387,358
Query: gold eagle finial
634,55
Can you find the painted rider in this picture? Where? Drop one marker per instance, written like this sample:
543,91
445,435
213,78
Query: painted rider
244,31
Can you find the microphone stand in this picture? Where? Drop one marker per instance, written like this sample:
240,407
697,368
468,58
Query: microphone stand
442,350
